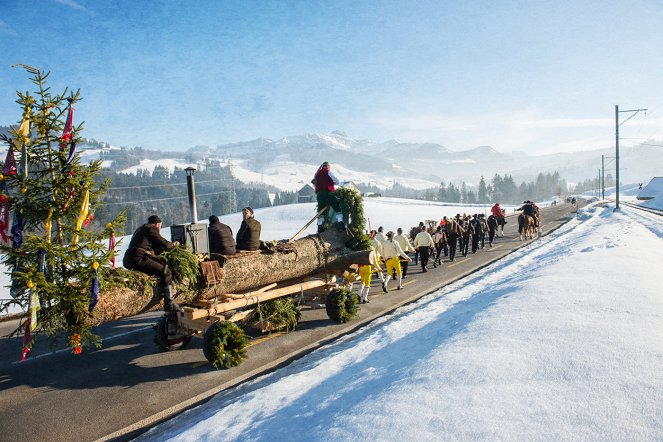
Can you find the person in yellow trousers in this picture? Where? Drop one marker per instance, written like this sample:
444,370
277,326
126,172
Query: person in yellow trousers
377,247
405,244
366,272
392,255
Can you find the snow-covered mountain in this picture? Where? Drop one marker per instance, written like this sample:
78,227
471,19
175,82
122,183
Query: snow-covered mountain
425,164
288,163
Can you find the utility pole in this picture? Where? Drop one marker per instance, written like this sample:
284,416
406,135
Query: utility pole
617,124
602,177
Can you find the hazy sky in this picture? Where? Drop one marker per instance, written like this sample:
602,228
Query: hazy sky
537,76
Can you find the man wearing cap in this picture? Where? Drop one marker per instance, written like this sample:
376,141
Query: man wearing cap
325,193
248,236
221,240
146,243
392,255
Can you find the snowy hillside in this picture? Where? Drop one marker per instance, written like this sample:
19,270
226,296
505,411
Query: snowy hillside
546,344
288,163
282,222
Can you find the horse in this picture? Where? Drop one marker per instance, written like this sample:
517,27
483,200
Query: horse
526,226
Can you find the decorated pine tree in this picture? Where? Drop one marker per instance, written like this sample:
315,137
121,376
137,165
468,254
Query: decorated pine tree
57,258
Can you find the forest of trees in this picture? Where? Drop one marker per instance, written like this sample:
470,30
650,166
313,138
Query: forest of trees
593,184
165,193
501,189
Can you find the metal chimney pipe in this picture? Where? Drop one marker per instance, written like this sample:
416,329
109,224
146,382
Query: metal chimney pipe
191,188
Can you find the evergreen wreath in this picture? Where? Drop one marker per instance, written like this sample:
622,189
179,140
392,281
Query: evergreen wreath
281,314
224,344
341,305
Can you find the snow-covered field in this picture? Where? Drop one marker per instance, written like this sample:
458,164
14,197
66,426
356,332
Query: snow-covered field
562,339
282,222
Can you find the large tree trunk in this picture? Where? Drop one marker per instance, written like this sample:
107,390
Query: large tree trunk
309,255
314,254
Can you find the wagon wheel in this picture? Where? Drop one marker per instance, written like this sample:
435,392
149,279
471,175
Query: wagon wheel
172,341
224,343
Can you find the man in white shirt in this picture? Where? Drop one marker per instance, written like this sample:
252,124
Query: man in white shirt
392,255
405,244
423,243
380,235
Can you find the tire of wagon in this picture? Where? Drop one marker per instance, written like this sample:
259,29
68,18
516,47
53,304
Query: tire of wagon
169,343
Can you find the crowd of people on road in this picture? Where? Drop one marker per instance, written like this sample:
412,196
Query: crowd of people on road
430,241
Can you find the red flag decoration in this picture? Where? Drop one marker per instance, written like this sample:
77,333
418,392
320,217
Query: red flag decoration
111,247
65,139
8,168
27,341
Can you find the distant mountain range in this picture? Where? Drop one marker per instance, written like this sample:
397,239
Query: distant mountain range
434,162
289,162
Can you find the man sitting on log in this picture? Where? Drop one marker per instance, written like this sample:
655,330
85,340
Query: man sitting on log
248,236
325,194
221,240
146,243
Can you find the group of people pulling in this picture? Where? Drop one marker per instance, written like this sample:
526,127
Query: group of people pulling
449,236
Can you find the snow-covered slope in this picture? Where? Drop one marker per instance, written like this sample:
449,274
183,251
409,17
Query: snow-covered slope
282,222
547,344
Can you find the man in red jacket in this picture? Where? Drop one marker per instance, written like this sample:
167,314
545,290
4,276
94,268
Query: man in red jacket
325,193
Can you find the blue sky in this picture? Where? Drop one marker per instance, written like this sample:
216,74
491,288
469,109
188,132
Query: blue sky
538,77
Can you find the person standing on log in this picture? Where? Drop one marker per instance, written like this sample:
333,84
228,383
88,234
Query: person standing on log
423,243
325,193
145,245
221,239
248,236
392,255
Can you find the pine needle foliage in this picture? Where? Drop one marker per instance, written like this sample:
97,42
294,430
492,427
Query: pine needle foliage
48,188
341,305
182,263
281,314
225,344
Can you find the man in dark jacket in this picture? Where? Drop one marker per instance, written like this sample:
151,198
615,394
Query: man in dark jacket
248,236
146,243
221,240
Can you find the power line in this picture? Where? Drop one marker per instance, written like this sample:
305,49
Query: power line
169,184
163,199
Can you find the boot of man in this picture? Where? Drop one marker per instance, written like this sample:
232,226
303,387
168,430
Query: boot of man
169,304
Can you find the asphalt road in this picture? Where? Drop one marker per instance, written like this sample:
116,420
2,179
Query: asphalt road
118,391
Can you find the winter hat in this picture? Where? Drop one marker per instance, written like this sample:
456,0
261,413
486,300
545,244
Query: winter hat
154,219
248,209
213,219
